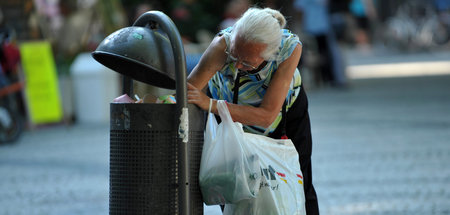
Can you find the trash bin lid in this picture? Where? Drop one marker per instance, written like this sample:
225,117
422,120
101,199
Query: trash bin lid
141,53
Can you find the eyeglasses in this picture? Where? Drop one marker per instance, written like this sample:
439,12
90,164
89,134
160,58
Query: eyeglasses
235,59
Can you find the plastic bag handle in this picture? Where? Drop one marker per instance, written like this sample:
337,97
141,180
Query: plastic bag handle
225,116
224,113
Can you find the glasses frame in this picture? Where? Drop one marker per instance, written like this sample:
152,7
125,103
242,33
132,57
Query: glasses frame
235,60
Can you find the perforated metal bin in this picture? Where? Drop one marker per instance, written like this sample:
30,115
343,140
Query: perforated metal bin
144,159
155,148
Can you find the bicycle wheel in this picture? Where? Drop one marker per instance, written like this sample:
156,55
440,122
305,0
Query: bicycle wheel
10,125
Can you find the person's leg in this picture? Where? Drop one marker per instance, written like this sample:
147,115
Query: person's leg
325,62
338,65
298,129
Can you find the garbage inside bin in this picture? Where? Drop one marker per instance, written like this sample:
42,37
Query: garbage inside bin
123,99
149,98
167,99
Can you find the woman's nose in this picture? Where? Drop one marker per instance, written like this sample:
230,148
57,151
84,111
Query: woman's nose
239,65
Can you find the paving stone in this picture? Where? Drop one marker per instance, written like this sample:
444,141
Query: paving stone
382,147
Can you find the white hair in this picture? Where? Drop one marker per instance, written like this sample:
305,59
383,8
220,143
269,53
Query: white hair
261,26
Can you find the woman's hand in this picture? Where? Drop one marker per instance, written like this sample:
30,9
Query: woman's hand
196,96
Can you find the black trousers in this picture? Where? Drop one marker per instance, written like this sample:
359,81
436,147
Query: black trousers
326,58
298,129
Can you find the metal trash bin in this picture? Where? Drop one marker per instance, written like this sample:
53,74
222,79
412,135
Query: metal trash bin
144,157
155,149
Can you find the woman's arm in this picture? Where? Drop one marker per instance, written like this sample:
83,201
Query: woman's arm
272,102
211,61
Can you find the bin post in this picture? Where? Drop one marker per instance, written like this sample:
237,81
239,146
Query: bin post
182,115
127,85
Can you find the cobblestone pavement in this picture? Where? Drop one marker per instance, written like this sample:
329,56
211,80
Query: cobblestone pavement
380,147
56,170
383,147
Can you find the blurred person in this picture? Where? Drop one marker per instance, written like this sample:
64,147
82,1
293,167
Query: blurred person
364,13
234,9
10,77
316,22
9,52
253,66
140,9
443,6
340,16
190,16
443,29
195,24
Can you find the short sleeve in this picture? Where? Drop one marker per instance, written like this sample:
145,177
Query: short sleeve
288,44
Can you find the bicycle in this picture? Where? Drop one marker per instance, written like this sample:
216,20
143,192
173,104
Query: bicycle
416,26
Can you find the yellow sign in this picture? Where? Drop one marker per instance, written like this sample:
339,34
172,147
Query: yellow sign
41,83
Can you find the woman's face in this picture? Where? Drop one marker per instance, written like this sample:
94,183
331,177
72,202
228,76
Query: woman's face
246,55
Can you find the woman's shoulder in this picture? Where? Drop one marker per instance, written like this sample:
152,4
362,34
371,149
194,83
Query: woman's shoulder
225,32
219,42
289,41
287,35
225,36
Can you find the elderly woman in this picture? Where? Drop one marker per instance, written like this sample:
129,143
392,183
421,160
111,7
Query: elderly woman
253,66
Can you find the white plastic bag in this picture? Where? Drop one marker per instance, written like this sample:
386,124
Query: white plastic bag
229,170
281,187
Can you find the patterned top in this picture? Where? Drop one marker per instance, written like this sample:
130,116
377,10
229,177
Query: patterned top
253,86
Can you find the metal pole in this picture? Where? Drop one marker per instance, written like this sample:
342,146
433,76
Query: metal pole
171,30
127,85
